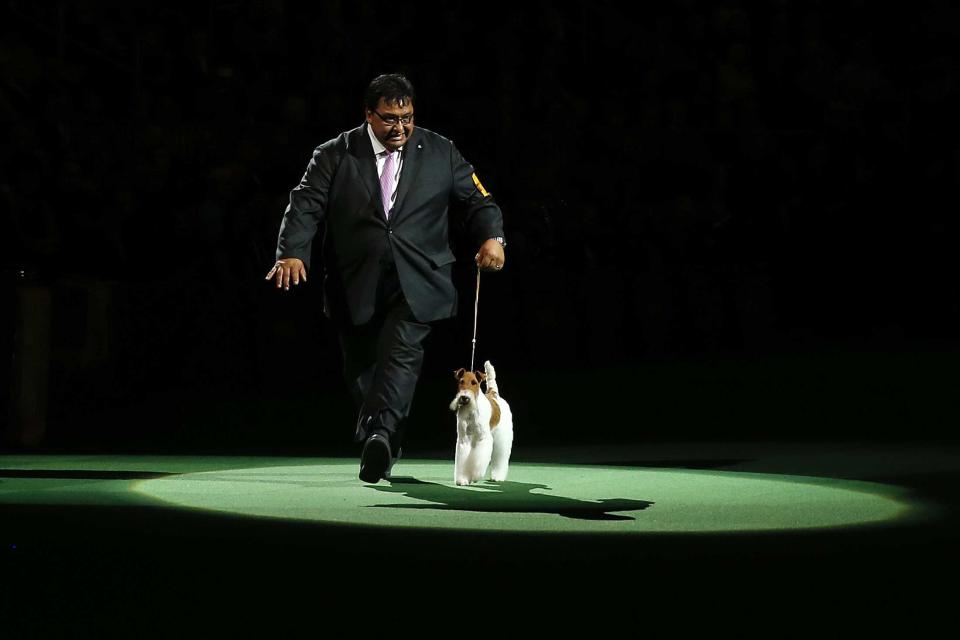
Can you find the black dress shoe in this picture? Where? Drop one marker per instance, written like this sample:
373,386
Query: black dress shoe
376,459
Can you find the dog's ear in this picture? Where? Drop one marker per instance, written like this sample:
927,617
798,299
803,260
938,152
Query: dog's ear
481,376
459,373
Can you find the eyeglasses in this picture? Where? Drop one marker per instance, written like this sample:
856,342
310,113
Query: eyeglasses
393,120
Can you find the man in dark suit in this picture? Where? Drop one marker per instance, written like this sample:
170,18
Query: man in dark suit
381,194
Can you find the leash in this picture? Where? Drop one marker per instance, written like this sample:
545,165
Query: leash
476,306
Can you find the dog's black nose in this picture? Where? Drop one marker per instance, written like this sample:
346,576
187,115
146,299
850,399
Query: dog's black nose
464,400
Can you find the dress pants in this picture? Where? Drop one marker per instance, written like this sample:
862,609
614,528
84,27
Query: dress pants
382,360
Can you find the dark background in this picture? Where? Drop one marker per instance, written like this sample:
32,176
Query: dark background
726,220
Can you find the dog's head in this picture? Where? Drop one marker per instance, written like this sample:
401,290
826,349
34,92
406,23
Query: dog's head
468,387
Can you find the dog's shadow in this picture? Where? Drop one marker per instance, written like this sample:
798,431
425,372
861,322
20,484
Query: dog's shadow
506,497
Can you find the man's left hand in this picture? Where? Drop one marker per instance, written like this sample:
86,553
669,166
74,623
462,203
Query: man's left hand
490,257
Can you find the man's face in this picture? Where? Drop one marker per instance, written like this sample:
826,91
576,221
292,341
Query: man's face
387,122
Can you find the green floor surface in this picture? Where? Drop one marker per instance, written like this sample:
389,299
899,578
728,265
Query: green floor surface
542,498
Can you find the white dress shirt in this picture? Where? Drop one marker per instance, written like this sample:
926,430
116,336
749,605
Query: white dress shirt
380,152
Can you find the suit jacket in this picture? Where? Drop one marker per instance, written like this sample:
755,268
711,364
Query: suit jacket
340,193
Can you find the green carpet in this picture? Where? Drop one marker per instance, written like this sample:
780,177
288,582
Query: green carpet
537,498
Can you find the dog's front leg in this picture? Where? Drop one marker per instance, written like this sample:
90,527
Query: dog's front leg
480,458
461,474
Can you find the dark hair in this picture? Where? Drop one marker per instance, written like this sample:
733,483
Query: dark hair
392,87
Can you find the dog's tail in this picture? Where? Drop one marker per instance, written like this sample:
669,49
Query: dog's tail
491,378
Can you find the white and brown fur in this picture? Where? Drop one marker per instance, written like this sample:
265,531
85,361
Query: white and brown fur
484,428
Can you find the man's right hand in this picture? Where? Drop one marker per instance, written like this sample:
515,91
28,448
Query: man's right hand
285,270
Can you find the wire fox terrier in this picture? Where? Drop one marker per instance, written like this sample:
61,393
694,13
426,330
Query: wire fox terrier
484,428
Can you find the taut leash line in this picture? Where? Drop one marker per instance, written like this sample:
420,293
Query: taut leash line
476,306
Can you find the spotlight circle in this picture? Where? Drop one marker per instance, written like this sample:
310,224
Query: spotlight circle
542,498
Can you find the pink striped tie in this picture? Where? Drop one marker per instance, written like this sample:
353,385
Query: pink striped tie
386,182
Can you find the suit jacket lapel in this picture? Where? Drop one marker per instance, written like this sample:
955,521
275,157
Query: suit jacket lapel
366,162
408,176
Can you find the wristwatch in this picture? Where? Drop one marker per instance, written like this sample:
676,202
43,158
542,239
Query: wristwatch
503,243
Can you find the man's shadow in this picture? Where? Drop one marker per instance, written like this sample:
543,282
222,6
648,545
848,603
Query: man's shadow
505,497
